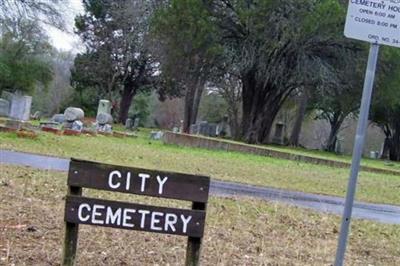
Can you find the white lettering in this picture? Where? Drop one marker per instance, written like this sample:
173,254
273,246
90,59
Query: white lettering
128,217
128,181
81,218
185,222
155,221
170,221
144,177
142,220
161,184
112,218
110,179
95,214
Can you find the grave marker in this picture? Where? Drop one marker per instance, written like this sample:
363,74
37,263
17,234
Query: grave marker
131,216
21,107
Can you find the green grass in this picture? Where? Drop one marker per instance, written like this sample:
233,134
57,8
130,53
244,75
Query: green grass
238,231
230,166
381,164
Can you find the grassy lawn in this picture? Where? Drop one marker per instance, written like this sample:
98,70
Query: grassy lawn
381,164
238,231
231,166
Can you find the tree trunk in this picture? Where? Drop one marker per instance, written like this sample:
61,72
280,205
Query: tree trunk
196,102
260,122
261,102
233,118
260,107
386,148
125,102
295,136
188,108
336,123
394,151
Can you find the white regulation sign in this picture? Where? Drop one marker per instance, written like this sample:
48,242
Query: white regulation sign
374,21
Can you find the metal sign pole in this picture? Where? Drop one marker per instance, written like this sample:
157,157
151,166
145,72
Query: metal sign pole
357,152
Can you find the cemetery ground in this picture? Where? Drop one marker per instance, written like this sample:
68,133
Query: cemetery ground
229,166
239,231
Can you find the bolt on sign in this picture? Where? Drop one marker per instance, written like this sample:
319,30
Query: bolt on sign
131,216
375,21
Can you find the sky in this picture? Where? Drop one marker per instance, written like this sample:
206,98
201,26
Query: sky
67,41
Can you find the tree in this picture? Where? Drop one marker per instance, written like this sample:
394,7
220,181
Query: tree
59,92
187,50
23,50
302,99
385,111
229,87
45,11
116,37
273,57
340,95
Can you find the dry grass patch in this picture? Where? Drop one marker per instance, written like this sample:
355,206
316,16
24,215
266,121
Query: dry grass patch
238,231
229,166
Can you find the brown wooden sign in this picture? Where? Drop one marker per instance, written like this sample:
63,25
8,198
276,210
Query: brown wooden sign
81,210
138,181
131,216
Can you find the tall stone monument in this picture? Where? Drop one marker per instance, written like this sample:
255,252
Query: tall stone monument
104,107
20,107
104,118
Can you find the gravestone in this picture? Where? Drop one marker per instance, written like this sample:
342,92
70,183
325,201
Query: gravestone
7,95
136,123
77,125
194,129
104,107
129,123
58,118
106,128
204,128
223,129
278,137
339,145
156,135
104,118
4,107
212,130
72,114
20,107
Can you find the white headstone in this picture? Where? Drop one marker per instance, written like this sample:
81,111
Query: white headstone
104,118
21,107
104,107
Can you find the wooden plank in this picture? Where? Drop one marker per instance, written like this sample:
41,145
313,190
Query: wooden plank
138,181
81,210
71,235
193,249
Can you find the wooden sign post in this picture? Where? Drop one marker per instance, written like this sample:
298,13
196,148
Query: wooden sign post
130,216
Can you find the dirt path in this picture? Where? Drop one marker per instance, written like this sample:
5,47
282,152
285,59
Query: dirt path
377,212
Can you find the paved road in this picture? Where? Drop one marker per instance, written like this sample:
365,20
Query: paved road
377,212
